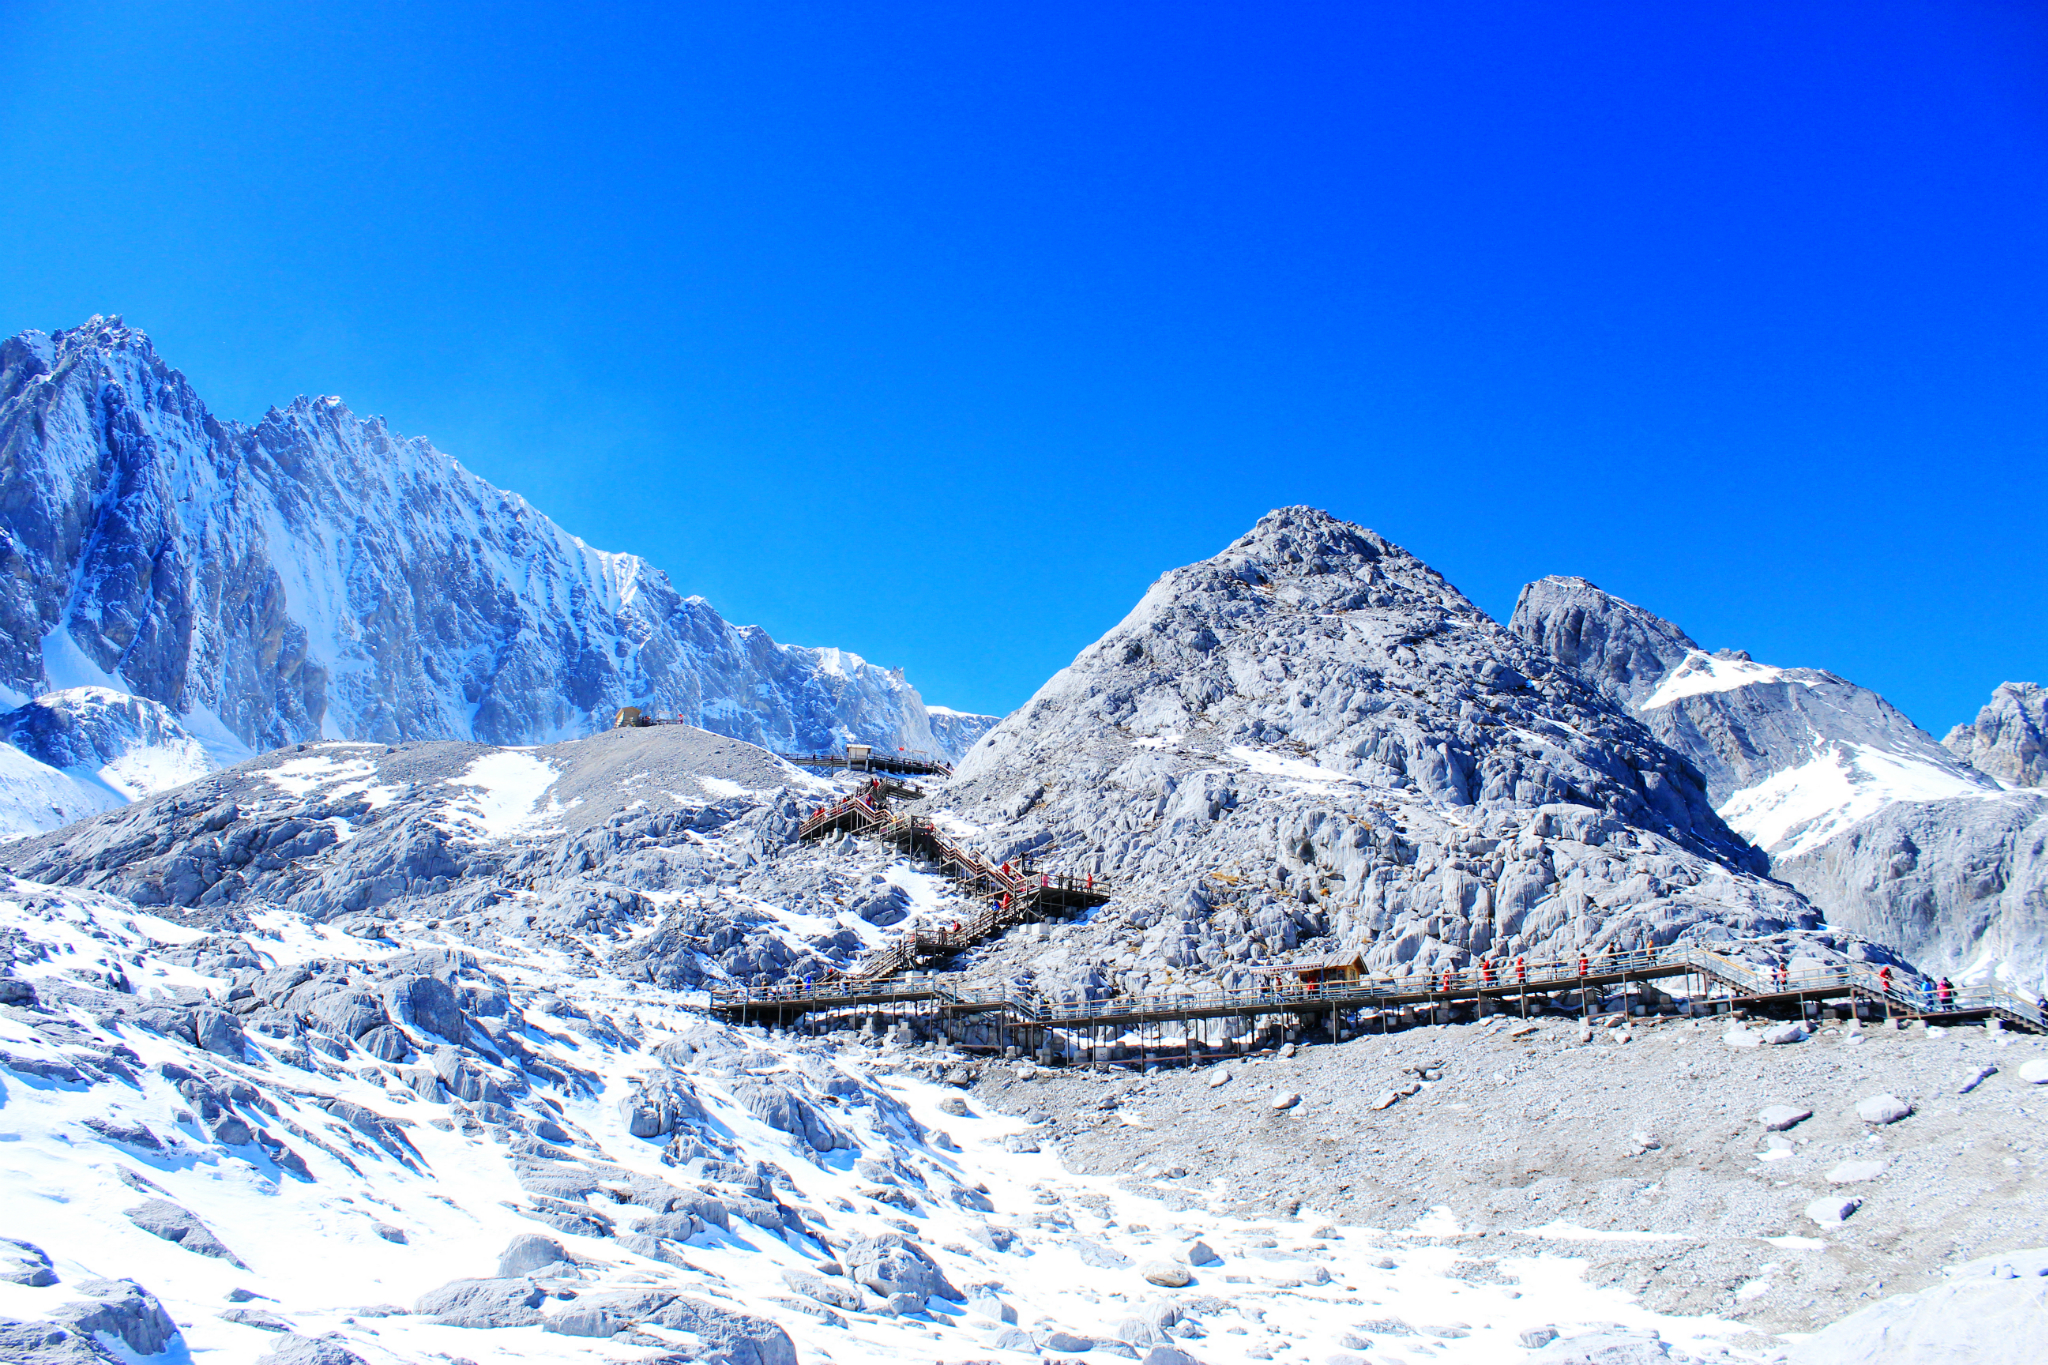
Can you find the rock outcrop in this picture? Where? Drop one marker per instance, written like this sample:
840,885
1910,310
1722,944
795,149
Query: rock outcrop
1313,740
2009,738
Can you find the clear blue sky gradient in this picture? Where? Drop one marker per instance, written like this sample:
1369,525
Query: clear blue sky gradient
938,332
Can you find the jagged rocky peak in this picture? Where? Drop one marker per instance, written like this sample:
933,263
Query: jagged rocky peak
1314,739
2009,738
1746,725
318,576
1623,649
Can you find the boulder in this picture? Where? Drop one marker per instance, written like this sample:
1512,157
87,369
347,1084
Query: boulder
2035,1072
1020,1142
1060,1340
825,1291
1779,1117
296,1350
1782,1034
1984,1321
1286,1099
1200,1253
1166,1274
1093,1253
1167,1355
1013,1339
483,1303
1855,1172
891,1264
1882,1109
1832,1210
25,1263
726,1337
955,1106
120,1308
175,1223
529,1252
1605,1348
661,1105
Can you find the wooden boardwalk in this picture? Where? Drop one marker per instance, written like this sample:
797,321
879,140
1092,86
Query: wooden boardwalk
1009,895
1507,987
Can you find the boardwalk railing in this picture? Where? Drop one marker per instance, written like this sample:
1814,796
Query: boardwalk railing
1490,979
1011,895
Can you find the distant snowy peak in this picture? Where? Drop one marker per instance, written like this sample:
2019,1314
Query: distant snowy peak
2009,738
1797,809
319,576
1745,724
75,753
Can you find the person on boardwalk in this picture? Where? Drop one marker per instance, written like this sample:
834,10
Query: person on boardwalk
1945,993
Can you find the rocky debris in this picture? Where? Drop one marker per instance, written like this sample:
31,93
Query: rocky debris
1882,1109
893,1264
175,1223
1610,1348
1778,1117
25,1263
2009,738
1981,1321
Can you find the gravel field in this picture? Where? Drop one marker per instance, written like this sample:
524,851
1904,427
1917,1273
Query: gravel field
1642,1150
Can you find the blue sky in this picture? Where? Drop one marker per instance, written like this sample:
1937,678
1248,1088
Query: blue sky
938,332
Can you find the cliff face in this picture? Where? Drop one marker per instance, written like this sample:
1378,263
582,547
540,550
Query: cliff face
317,575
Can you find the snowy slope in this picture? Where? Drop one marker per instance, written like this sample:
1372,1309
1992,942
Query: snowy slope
1894,835
70,754
317,575
674,1189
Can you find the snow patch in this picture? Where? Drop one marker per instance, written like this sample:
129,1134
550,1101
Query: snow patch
1799,809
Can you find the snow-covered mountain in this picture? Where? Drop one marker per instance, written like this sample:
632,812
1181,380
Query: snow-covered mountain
1893,834
319,576
69,754
1313,740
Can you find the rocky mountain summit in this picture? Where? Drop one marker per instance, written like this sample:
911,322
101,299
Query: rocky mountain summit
1314,740
2009,738
317,576
1919,844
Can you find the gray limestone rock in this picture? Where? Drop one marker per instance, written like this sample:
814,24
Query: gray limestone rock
892,1264
2009,738
483,1303
297,1350
25,1263
1982,1321
1312,741
528,1253
175,1223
